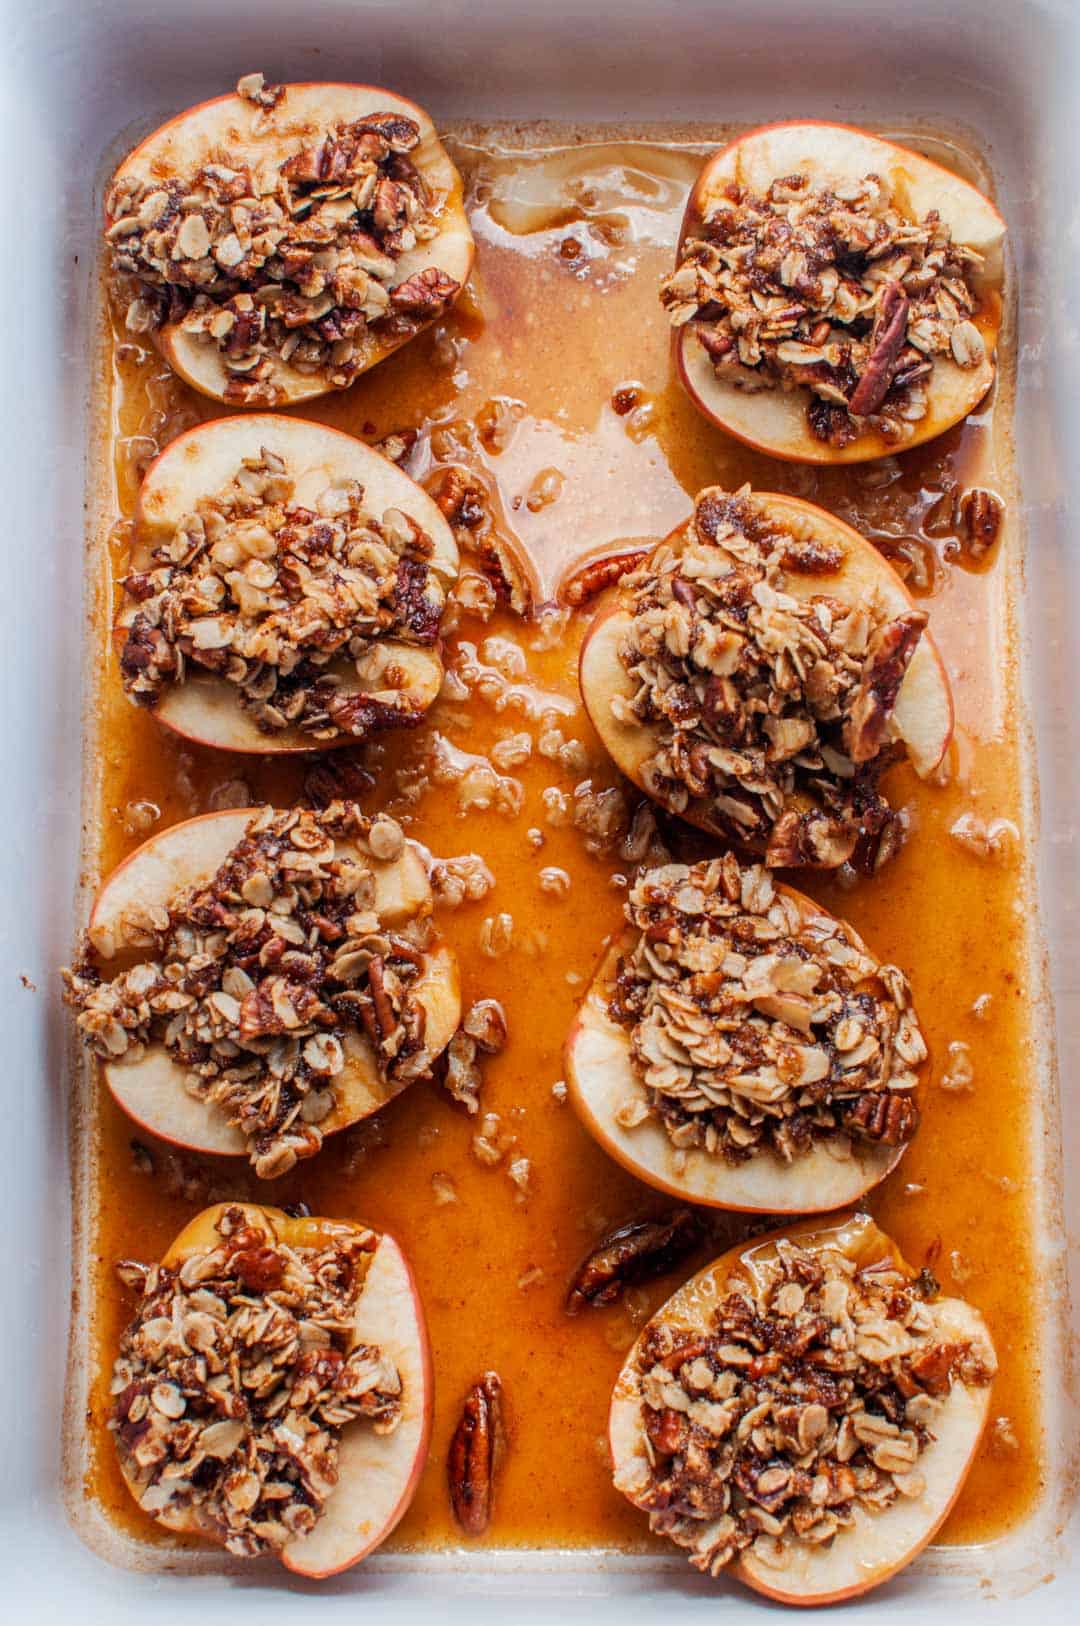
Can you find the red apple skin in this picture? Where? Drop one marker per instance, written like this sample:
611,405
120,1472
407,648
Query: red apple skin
929,729
201,1232
864,1236
307,390
988,318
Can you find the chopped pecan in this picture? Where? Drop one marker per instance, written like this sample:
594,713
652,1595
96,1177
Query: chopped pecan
380,999
636,1252
810,838
259,1269
886,343
882,1116
668,1430
887,661
472,1460
343,779
425,293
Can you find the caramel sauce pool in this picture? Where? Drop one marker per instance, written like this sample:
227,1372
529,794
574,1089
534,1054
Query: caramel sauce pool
518,382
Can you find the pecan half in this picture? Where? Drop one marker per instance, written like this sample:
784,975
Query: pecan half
882,1115
473,1455
636,1252
598,574
424,293
982,513
887,341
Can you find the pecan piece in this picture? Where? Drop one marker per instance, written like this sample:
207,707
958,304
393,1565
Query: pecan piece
882,1115
425,293
636,1252
668,1431
473,1455
811,838
981,512
260,1270
887,341
385,1017
598,574
887,660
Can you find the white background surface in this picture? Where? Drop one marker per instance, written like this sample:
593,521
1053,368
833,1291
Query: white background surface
74,77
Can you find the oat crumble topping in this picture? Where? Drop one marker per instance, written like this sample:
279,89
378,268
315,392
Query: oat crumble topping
257,981
774,711
293,262
236,1377
836,292
266,595
805,1398
753,1030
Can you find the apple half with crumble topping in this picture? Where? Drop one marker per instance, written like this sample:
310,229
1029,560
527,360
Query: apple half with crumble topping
741,1048
277,242
253,983
285,589
837,297
322,1477
868,1392
760,671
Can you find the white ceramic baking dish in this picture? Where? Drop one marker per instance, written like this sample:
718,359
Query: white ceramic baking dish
79,77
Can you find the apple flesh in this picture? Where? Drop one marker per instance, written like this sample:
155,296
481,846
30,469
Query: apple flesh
600,1077
151,1089
922,717
881,1543
205,708
235,126
774,420
378,1474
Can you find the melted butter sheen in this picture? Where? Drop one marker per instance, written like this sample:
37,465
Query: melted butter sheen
572,245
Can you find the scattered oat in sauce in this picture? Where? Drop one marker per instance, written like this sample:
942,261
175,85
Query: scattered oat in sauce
236,1378
753,1029
625,487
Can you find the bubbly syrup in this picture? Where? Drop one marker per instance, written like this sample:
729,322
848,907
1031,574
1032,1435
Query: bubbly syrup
573,238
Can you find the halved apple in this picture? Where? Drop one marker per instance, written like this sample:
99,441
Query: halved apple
774,420
378,1473
879,1543
601,1078
206,708
235,128
922,717
151,1088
